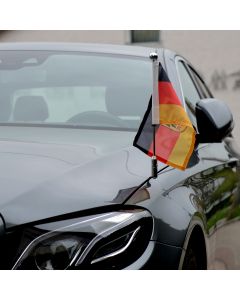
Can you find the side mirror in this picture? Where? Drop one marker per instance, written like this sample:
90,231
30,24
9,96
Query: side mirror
214,120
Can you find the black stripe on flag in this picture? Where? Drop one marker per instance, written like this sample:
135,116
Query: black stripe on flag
144,136
162,75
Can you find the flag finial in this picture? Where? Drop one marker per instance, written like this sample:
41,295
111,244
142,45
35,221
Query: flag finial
153,55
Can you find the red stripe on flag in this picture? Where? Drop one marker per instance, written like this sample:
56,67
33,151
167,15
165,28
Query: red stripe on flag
167,94
165,141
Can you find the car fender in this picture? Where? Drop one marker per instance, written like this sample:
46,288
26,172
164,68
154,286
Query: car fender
175,213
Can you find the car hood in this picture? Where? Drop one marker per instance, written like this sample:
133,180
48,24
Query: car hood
47,172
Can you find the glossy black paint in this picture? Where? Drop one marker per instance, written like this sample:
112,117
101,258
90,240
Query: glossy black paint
214,120
49,173
58,175
2,226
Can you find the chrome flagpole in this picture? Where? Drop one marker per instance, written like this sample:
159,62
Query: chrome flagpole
155,109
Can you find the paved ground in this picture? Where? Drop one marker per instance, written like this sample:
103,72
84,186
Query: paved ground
227,246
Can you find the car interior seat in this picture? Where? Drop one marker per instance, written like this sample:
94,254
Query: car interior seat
30,108
5,104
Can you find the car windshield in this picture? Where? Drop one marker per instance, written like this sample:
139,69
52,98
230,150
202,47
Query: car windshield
54,88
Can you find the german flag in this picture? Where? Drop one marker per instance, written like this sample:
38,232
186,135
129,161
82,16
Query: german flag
174,133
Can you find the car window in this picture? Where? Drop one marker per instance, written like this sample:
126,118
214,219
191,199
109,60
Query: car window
74,89
60,107
201,84
190,92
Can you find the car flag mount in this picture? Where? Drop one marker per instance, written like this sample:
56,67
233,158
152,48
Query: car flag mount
155,110
166,133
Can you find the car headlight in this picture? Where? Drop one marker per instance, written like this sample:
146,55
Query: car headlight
111,240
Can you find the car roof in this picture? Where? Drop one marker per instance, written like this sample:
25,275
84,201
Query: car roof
136,51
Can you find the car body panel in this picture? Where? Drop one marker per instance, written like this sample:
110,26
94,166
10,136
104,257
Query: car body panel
158,256
53,178
138,52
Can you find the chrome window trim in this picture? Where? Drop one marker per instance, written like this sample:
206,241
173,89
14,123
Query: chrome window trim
180,59
186,66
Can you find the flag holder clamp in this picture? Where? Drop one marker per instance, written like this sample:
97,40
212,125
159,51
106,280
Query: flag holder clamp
154,57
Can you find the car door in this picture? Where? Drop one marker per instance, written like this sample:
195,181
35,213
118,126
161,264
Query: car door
217,181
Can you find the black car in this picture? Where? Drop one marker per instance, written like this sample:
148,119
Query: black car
76,194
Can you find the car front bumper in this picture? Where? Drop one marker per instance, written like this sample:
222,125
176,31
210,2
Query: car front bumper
158,256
